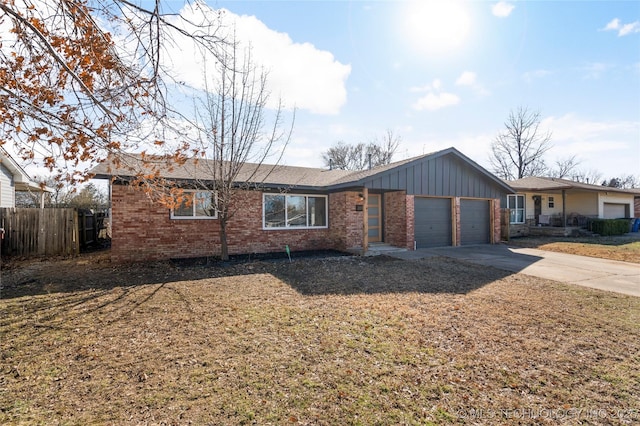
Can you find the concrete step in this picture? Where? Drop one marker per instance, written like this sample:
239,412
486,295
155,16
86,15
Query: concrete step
376,249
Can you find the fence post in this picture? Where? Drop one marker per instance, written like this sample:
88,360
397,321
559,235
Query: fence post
41,240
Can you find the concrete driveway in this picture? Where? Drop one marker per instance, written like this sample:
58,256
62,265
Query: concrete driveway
609,275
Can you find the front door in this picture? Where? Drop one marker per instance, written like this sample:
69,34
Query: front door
537,207
374,213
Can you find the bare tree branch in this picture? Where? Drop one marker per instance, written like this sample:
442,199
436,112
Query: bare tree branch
519,150
233,140
361,156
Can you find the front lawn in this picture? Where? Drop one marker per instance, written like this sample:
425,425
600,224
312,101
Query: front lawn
622,248
321,341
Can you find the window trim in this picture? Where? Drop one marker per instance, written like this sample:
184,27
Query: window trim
523,208
286,211
551,202
193,206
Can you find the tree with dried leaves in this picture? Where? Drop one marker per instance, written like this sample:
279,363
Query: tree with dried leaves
519,150
362,156
78,78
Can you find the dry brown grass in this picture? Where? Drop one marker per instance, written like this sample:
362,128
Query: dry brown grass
322,341
622,248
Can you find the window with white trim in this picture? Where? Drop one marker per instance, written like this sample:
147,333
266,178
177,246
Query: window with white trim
515,204
552,203
294,211
196,205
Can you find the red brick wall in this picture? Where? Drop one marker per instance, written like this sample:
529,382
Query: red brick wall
636,206
497,221
398,219
347,224
142,230
457,228
410,222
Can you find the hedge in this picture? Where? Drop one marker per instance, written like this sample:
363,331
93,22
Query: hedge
607,227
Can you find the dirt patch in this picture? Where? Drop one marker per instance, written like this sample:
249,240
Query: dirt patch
622,248
316,341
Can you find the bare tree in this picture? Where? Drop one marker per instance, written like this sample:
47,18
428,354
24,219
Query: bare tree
590,176
232,138
77,78
362,156
59,196
90,197
565,167
623,182
519,150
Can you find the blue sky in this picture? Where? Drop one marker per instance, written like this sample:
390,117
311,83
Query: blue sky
443,74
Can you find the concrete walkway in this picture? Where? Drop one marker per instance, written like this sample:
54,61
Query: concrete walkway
609,275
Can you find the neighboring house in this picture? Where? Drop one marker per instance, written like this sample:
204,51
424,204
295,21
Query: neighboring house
542,201
438,199
13,178
636,192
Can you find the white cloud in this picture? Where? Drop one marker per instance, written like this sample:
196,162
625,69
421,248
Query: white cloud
433,101
298,73
470,79
613,25
595,70
467,78
631,28
623,29
529,76
502,9
609,146
435,98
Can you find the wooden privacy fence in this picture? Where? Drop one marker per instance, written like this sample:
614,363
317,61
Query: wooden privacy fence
39,232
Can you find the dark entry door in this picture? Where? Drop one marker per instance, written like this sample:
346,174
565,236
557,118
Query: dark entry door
374,221
537,207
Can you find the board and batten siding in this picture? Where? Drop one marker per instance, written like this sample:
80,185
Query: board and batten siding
445,176
7,193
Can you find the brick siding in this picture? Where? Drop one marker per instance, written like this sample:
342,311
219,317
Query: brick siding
142,230
398,219
497,221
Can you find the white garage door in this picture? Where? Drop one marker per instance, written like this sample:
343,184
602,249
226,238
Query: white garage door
614,211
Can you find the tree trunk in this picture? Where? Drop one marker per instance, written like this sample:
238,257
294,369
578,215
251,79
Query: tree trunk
224,248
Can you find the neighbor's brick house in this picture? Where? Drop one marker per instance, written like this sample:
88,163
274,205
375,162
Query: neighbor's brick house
442,198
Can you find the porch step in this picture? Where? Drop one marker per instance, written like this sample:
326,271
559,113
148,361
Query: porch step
376,249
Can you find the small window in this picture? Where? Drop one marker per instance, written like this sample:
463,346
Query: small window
515,204
196,205
551,203
294,211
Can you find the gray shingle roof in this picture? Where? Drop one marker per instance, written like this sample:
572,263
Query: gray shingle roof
555,184
275,176
266,174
